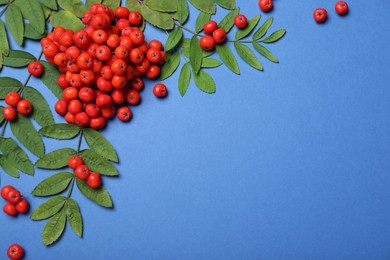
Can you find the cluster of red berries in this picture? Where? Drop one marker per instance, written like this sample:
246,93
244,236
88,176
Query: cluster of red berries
16,203
103,65
16,105
15,252
81,171
320,14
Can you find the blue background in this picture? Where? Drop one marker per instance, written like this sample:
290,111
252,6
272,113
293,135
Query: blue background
289,163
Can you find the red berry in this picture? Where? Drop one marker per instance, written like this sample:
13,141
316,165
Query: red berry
15,252
153,55
22,206
341,7
61,107
75,106
207,43
14,196
160,90
219,35
240,21
5,190
92,110
97,123
320,15
9,113
156,44
133,97
82,172
86,94
124,114
10,209
35,68
265,5
210,27
24,107
103,100
81,119
122,12
135,18
75,161
94,181
12,98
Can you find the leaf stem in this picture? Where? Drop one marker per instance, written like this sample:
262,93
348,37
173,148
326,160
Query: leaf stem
3,128
80,139
185,28
71,187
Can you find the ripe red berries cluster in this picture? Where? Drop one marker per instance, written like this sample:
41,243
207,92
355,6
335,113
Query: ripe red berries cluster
15,252
213,35
102,65
16,105
81,171
16,203
320,14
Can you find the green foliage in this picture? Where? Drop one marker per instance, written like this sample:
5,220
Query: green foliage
73,214
67,20
172,61
18,59
173,39
249,28
182,11
159,19
247,55
166,6
100,195
98,163
8,84
60,131
206,6
99,144
75,7
32,11
54,184
54,228
201,20
49,78
228,21
8,167
16,155
184,78
195,54
56,159
204,82
14,20
4,46
48,208
41,110
227,57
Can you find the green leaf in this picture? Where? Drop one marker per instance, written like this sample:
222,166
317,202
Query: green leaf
201,20
161,20
4,46
32,11
76,7
171,63
247,55
48,208
100,195
265,52
210,63
227,57
72,211
7,85
25,132
56,159
54,228
14,20
275,36
206,6
18,59
195,54
46,11
8,167
173,38
60,131
228,21
228,4
204,82
4,2
1,60
263,29
184,78
16,155
67,20
98,143
53,185
133,5
249,28
49,78
98,163
182,11
52,4
41,110
30,33
1,115
162,5
112,3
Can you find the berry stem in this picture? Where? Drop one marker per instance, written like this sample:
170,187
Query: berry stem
71,187
3,128
80,139
185,28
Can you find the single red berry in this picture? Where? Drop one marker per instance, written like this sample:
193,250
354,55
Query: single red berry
61,107
75,106
94,180
341,7
219,35
137,36
153,71
70,93
97,123
86,94
12,98
118,67
75,161
92,110
265,5
207,43
22,206
103,52
35,68
69,117
5,190
135,18
156,44
9,113
81,119
103,100
240,21
118,96
210,27
133,97
124,114
160,90
108,111
10,209
24,107
320,15
15,252
137,84
14,196
153,55
62,82
122,12
82,172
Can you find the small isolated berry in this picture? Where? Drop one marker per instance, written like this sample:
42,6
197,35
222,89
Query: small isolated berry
10,209
94,180
265,5
341,7
35,68
219,35
160,90
15,252
207,43
75,161
240,21
22,206
24,107
210,27
124,114
12,98
5,190
320,15
9,113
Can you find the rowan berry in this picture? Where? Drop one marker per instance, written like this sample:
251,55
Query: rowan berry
265,5
81,119
22,206
122,12
207,43
320,15
156,44
153,55
153,71
160,90
103,100
61,107
341,7
210,27
15,252
94,180
24,107
12,98
5,190
13,196
240,21
92,110
97,123
10,209
9,113
219,35
35,68
75,106
135,18
124,114
82,172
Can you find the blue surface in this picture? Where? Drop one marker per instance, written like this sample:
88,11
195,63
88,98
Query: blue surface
289,163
